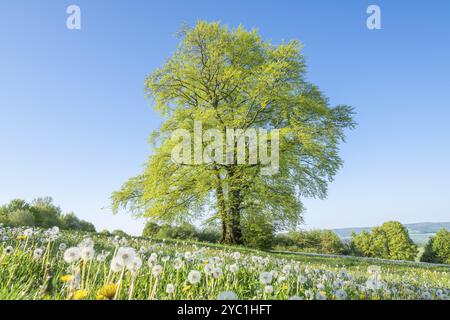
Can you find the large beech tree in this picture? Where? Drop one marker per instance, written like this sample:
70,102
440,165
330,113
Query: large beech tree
231,78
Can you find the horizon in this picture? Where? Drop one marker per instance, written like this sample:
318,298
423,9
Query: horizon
76,123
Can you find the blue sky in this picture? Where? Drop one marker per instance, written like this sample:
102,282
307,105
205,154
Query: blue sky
74,121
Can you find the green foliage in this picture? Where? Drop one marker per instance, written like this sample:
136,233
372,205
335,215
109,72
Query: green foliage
231,78
258,232
317,241
390,241
437,249
41,213
21,218
151,229
120,233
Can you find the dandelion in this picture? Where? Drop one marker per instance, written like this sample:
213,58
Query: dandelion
227,295
62,246
236,255
170,288
426,295
72,255
87,253
265,277
134,265
209,268
152,259
194,277
234,268
156,270
178,264
341,294
125,255
268,289
217,273
320,296
116,265
80,295
107,292
37,254
28,232
67,278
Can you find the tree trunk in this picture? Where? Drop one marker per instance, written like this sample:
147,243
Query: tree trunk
231,222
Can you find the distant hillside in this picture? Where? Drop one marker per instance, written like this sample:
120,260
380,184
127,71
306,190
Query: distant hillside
419,232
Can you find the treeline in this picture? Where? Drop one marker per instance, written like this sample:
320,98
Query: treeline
388,241
43,213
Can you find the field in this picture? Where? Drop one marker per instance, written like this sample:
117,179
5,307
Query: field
52,264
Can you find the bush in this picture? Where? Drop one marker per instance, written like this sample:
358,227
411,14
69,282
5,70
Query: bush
317,241
21,218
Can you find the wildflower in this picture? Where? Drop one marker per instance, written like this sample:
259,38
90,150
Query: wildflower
217,273
268,289
102,256
116,265
234,268
28,232
209,268
72,255
37,254
62,246
8,250
194,277
165,258
134,265
107,292
125,255
178,263
66,278
426,295
156,270
265,277
320,296
152,259
87,253
341,294
227,295
236,255
80,295
170,288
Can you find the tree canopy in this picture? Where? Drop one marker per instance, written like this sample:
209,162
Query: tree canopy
231,78
389,241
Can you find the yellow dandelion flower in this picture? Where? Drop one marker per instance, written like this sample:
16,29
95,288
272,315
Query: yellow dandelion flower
21,237
107,292
80,295
66,278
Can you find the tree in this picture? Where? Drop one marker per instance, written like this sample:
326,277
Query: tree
151,229
46,213
21,217
389,241
232,79
437,249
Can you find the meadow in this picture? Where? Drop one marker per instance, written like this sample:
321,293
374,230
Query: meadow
55,264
